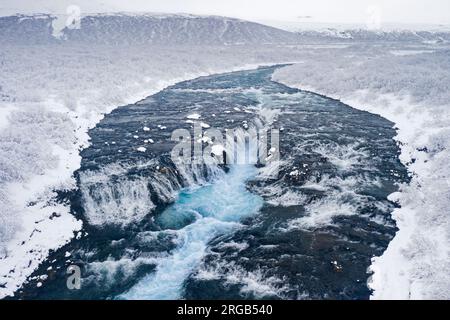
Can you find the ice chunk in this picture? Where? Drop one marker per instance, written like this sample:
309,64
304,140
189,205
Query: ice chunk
294,173
217,149
194,116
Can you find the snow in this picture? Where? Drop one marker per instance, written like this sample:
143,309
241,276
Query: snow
409,52
294,173
5,111
204,140
217,149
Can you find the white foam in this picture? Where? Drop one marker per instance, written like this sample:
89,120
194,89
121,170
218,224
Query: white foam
119,202
255,283
339,199
344,156
286,198
106,272
239,246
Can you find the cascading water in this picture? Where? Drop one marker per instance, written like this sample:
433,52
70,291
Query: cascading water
198,215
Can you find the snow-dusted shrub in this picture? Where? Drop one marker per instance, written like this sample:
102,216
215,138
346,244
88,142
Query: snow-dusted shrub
26,151
425,77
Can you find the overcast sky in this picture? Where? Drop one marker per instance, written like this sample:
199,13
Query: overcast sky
330,11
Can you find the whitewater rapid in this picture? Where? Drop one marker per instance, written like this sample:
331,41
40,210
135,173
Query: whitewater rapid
197,216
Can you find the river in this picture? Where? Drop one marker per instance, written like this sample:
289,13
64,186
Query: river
155,230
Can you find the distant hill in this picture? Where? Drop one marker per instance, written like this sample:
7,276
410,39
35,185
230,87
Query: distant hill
135,29
179,29
376,35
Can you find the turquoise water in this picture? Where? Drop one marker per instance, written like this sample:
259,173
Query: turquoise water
198,216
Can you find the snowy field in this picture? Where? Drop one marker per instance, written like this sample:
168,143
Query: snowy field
52,93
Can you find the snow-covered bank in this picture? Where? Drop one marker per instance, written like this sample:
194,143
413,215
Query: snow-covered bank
416,264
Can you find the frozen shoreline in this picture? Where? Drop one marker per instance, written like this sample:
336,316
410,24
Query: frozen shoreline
405,271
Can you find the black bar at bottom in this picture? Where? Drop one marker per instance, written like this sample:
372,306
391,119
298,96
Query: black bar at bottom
242,309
